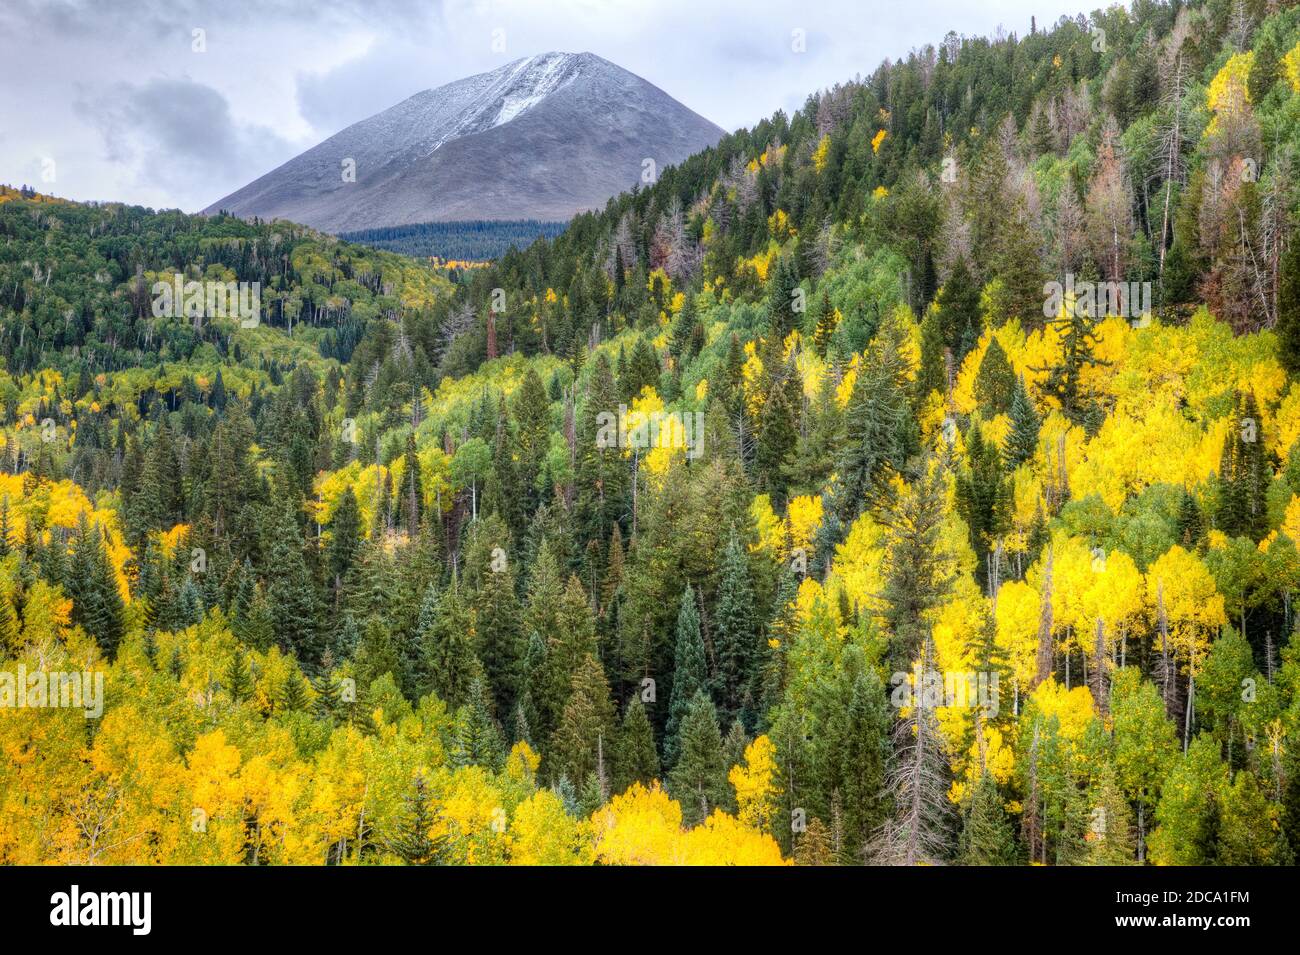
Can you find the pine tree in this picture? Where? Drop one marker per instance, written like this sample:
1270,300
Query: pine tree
92,584
995,382
916,578
1191,527
238,677
1110,836
1022,441
477,732
984,498
858,747
690,672
932,375
377,655
735,633
498,628
782,318
699,779
449,648
635,758
958,306
412,497
986,836
412,839
879,427
290,592
586,724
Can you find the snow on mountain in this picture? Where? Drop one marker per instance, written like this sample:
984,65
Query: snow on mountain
543,137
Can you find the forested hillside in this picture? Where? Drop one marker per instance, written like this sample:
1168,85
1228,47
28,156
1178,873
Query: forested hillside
891,553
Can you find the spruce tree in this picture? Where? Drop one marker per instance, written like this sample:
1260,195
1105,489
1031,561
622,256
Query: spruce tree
735,633
92,584
986,836
699,779
290,592
448,649
585,729
984,498
238,677
635,757
690,672
412,839
958,306
995,382
1022,441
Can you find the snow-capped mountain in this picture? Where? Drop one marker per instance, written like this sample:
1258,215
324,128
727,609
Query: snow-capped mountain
543,138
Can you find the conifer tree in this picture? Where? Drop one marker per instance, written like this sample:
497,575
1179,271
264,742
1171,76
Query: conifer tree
412,839
290,592
699,779
635,758
919,830
377,655
690,672
735,633
983,498
995,382
1022,441
92,584
586,724
986,836
238,677
498,628
879,427
449,648
958,305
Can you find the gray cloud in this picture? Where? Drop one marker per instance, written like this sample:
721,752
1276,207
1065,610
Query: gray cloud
175,132
112,90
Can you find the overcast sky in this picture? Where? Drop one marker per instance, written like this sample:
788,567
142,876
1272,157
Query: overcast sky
108,99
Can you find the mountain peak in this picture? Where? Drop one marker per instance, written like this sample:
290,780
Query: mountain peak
541,137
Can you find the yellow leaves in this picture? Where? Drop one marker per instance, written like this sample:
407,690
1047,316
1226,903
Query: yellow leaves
1180,583
213,765
1291,66
877,139
778,225
1131,452
756,790
1018,608
724,840
771,529
804,517
1072,708
644,827
760,263
170,540
859,563
821,152
639,827
880,192
1228,92
542,833
1291,521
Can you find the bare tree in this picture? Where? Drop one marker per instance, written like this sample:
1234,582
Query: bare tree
919,832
